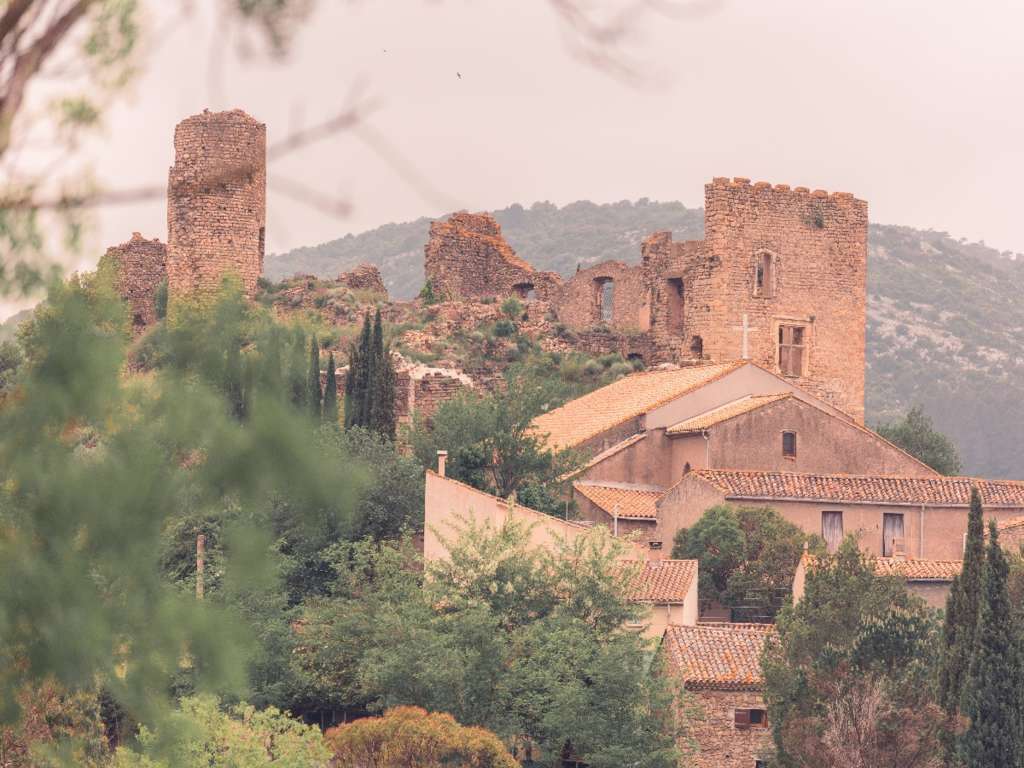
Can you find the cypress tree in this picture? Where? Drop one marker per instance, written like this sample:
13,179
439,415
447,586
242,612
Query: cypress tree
330,410
315,393
381,399
991,700
356,383
961,620
297,372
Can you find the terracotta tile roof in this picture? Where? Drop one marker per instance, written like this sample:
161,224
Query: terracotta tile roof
723,657
918,570
878,489
1010,525
628,502
724,413
662,581
585,417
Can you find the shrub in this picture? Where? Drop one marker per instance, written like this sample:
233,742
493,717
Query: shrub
160,300
504,328
511,308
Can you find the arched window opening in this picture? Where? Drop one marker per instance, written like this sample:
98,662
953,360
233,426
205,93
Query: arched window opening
764,276
524,291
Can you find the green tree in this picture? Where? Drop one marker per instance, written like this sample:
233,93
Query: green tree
381,386
160,300
961,619
298,371
992,700
10,360
330,410
315,395
357,384
491,443
747,557
206,736
849,681
916,434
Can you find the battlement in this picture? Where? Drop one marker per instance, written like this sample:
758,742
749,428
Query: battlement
741,183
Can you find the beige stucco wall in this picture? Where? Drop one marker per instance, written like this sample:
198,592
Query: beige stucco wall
448,503
941,537
935,593
824,444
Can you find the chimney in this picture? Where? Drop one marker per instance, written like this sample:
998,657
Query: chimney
442,458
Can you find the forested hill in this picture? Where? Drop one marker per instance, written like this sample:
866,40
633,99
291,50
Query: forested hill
945,320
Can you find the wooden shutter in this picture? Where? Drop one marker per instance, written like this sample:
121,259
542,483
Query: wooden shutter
742,718
892,528
832,529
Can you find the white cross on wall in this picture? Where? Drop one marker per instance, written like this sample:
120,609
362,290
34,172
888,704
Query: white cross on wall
746,329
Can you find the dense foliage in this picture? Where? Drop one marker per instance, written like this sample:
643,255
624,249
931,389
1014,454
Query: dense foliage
527,644
409,736
942,313
491,444
850,680
370,385
747,558
916,434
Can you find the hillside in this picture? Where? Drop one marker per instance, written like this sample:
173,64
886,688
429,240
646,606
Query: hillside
9,326
944,321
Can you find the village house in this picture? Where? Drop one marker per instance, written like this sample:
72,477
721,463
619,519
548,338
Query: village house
667,587
719,666
927,514
643,433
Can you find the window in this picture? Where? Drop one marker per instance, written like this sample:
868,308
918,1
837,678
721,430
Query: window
792,343
654,544
697,347
747,719
764,276
674,303
832,529
789,445
524,291
892,534
605,289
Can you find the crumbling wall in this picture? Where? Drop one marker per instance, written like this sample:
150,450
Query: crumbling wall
583,301
216,204
419,389
467,257
138,268
365,277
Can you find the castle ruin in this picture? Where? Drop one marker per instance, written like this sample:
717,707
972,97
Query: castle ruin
779,279
138,268
216,203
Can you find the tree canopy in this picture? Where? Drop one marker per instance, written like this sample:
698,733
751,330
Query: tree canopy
916,434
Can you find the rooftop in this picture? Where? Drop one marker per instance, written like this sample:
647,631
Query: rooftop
622,500
663,581
918,570
724,413
585,417
724,657
870,489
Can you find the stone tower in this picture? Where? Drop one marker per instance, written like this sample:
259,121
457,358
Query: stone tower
781,280
137,267
216,204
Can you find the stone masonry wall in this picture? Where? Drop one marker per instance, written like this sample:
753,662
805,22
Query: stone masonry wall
365,277
818,244
418,389
468,258
216,203
139,267
712,727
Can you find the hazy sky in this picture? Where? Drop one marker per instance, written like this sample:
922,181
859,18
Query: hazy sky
913,105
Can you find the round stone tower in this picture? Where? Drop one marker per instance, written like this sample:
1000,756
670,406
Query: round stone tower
216,204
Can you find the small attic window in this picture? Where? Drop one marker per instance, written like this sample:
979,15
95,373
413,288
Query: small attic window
789,445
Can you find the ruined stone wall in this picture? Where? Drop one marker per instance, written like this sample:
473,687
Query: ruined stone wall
365,277
467,257
138,267
581,300
216,204
419,390
818,246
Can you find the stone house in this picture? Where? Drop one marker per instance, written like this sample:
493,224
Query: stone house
925,517
931,580
719,666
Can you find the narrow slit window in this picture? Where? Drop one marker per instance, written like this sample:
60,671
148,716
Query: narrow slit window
764,276
789,445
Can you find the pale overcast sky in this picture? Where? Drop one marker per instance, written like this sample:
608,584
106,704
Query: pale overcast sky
913,105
